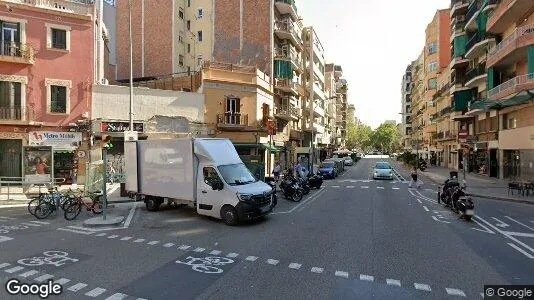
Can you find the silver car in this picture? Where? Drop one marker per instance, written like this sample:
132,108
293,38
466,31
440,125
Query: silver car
383,170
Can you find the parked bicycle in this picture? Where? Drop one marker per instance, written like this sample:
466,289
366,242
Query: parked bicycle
91,203
42,206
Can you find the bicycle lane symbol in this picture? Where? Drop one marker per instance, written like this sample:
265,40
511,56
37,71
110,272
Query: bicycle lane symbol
9,228
51,260
208,264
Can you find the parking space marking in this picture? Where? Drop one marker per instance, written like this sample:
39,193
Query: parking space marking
294,266
394,282
273,262
43,277
366,277
519,223
78,286
422,287
117,296
168,245
14,269
251,258
455,292
317,270
95,292
28,273
341,274
153,243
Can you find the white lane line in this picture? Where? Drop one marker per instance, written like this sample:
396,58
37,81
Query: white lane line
364,187
168,245
78,286
28,273
506,234
199,250
101,234
379,187
366,277
426,208
436,219
215,252
521,250
62,281
184,247
303,202
40,222
139,240
130,216
519,223
14,269
75,231
117,296
455,292
350,186
7,218
422,287
395,188
153,243
486,229
294,266
342,274
113,236
394,282
273,262
43,277
335,186
232,255
3,265
419,201
31,224
251,258
126,238
317,270
5,239
95,292
501,223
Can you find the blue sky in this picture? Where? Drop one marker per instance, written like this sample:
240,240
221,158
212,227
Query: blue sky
374,41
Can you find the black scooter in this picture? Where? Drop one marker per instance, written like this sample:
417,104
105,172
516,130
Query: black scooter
290,188
453,195
315,181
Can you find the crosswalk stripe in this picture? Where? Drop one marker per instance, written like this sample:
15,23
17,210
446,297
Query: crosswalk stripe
43,277
199,250
62,281
294,266
113,236
232,255
14,269
393,282
364,187
215,252
153,242
423,287
78,286
317,270
272,261
184,247
395,188
342,274
3,265
455,292
101,234
366,277
95,292
168,245
251,258
380,187
117,296
31,224
139,240
28,273
126,238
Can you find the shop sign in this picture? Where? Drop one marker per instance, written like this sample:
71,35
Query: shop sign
120,127
58,140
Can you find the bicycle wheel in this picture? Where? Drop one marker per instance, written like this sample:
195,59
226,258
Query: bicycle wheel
97,207
72,211
218,260
207,269
43,210
55,253
65,202
31,261
32,205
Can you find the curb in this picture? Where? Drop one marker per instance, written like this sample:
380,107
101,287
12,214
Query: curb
111,220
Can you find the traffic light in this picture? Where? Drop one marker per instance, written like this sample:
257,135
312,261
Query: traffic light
106,142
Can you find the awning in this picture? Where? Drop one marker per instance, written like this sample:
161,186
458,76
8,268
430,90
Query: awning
521,98
272,148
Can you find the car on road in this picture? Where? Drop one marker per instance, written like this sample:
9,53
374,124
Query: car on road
348,161
328,169
383,170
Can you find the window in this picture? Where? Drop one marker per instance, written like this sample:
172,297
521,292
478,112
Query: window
58,100
180,60
432,48
199,60
432,83
433,66
188,48
11,100
181,13
199,35
200,13
210,176
59,39
181,37
188,3
188,25
509,122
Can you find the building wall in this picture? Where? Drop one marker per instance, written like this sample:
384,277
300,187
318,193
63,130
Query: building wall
110,15
444,38
112,103
204,49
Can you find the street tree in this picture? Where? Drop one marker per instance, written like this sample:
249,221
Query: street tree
359,136
386,137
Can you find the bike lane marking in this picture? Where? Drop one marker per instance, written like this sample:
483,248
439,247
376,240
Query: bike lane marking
4,239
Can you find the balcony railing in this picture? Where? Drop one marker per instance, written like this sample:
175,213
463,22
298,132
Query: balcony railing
14,113
287,111
287,26
232,120
78,7
290,2
287,54
511,86
510,42
17,52
472,73
472,10
286,85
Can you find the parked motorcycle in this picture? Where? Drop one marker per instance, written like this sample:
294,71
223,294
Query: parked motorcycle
315,181
304,184
453,195
290,188
422,165
272,183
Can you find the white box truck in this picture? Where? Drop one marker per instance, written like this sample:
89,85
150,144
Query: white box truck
205,173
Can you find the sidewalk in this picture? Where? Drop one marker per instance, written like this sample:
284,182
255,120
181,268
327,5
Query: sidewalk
478,185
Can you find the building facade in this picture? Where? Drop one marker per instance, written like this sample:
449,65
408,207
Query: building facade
406,109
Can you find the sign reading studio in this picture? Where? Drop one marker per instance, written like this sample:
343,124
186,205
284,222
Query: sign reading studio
120,127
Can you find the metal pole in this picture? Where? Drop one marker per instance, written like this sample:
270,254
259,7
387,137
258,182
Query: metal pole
131,65
105,178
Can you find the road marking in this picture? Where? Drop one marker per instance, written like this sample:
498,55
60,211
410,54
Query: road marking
31,224
436,219
273,262
14,269
153,243
342,274
379,187
184,247
422,287
317,270
78,286
523,234
429,190
232,255
101,234
251,258
501,223
455,292
294,266
5,239
199,250
40,222
75,231
364,187
519,223
168,245
62,281
3,265
506,234
95,292
301,203
7,218
113,236
126,238
130,216
426,208
335,186
393,282
486,228
419,201
43,277
139,240
28,273
395,188
215,252
117,296
350,186
521,250
366,277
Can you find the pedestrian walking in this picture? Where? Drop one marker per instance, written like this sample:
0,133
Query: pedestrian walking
276,171
414,177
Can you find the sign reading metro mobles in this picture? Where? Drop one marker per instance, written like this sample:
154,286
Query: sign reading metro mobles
120,127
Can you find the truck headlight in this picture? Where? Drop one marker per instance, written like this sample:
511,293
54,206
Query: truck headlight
244,197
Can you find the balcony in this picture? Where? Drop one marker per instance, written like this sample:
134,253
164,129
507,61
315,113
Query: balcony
318,92
338,71
287,112
13,113
287,7
476,76
477,45
459,7
512,86
471,16
289,55
487,136
287,86
286,30
315,128
232,122
513,48
446,135
507,13
18,53
295,134
77,9
459,62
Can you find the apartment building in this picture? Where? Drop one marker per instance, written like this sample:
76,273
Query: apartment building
47,71
341,105
406,108
331,106
418,103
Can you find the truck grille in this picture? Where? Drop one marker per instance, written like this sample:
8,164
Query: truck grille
262,200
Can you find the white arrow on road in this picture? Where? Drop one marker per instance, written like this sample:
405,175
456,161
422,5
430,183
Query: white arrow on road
5,239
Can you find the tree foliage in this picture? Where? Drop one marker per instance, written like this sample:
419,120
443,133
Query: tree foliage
385,138
359,136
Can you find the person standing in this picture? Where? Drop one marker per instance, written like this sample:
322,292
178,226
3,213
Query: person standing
276,171
414,177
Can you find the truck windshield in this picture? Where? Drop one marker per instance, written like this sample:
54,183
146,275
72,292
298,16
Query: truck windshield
236,174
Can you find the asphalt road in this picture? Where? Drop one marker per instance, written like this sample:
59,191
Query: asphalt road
356,238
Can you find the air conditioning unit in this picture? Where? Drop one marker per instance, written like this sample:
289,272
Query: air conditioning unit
131,136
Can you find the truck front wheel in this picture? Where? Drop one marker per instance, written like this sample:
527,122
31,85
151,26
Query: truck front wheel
229,215
152,204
